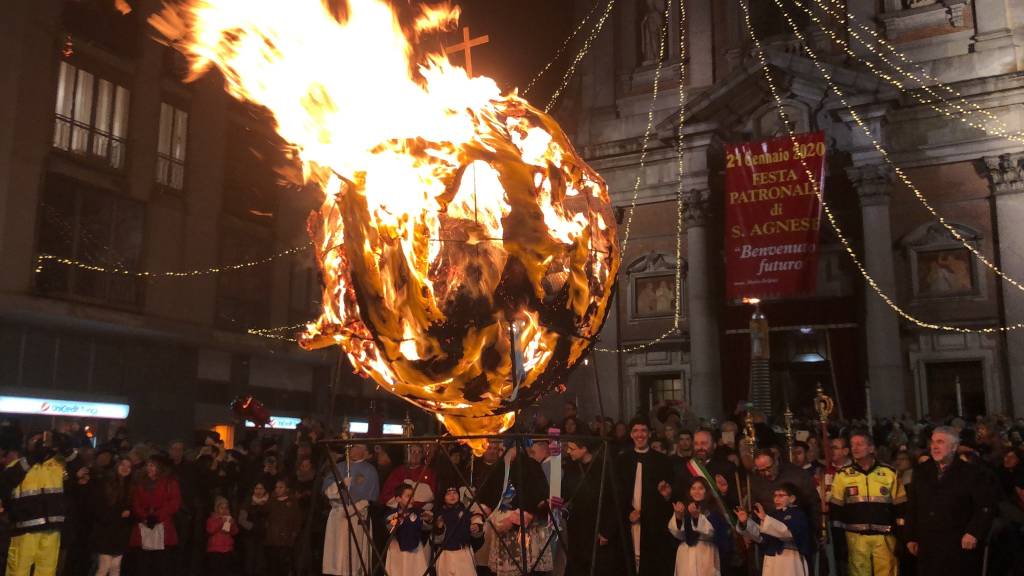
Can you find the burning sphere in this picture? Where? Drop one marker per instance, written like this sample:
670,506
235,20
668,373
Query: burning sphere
482,304
468,254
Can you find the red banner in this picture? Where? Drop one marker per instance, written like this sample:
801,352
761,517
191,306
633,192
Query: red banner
772,216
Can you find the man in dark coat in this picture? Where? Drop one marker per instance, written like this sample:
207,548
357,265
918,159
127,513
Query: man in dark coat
644,487
769,474
949,510
581,489
722,471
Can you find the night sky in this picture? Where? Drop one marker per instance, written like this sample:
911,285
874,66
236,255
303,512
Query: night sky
524,36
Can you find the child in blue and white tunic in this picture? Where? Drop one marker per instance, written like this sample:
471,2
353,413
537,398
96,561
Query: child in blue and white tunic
703,533
783,534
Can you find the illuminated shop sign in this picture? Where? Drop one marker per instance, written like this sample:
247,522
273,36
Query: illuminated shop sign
54,407
279,423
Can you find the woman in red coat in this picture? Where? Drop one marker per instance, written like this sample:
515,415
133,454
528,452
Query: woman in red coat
155,499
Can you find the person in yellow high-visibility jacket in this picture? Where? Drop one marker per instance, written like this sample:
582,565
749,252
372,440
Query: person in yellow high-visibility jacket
866,497
32,488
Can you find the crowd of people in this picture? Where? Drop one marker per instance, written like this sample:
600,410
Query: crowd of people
662,494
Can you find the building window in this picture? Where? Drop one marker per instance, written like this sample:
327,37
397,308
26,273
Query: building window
243,295
305,292
254,161
658,389
91,116
956,384
91,226
170,154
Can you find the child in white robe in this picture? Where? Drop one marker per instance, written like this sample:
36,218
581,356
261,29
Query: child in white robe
456,528
783,534
406,555
703,532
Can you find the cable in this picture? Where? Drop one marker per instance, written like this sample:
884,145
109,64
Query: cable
43,259
759,49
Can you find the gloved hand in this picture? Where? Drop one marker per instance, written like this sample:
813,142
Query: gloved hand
152,521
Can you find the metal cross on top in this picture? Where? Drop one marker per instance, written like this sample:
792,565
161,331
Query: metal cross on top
465,46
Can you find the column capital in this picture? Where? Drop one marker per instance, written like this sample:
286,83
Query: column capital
697,208
1005,173
873,183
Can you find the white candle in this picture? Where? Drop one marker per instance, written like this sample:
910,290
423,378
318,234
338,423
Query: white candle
867,398
959,399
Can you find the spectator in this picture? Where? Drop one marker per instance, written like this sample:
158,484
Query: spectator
252,519
950,510
770,474
155,500
112,527
221,529
284,520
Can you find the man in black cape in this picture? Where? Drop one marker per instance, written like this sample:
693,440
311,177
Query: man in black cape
581,489
644,483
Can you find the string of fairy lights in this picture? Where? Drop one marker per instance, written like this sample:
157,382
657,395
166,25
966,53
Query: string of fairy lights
567,77
773,89
952,105
677,311
561,49
884,154
961,101
42,259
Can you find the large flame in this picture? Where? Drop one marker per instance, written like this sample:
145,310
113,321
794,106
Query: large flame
455,219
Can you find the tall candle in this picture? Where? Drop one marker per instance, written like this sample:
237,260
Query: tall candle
959,399
867,398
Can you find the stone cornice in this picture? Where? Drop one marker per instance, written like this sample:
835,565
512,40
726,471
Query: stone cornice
1005,173
873,183
698,208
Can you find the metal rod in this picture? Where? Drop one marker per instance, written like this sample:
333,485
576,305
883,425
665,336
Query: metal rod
455,439
600,500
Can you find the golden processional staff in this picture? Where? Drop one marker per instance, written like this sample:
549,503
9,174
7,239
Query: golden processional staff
823,406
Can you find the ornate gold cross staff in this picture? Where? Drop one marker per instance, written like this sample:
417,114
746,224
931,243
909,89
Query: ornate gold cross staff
823,406
465,46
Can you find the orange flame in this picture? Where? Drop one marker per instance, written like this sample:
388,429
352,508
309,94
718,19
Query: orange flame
455,219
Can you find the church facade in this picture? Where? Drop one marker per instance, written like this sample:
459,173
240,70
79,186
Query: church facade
845,337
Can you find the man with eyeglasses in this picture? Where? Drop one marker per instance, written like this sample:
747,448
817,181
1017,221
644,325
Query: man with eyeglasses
770,474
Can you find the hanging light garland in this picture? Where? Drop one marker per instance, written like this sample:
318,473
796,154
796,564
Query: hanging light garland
680,206
561,49
580,54
960,100
885,155
43,259
759,50
644,146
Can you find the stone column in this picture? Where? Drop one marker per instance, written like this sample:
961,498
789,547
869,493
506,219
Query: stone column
700,49
884,355
1006,174
993,25
702,310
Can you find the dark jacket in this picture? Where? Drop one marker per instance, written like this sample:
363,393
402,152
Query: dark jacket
111,497
807,498
284,519
940,510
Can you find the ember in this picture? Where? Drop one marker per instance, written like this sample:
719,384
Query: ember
456,220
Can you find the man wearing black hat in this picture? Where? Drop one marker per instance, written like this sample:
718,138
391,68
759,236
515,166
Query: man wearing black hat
644,484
